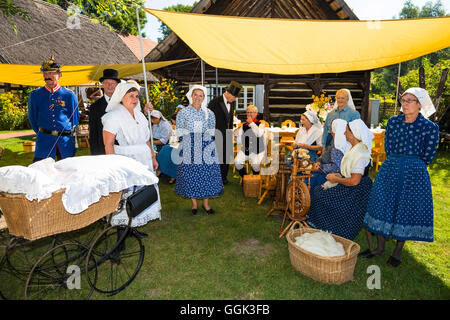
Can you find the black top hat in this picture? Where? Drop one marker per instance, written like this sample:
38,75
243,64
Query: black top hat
110,74
50,65
234,88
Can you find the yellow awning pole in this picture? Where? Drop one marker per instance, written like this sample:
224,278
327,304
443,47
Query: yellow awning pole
145,73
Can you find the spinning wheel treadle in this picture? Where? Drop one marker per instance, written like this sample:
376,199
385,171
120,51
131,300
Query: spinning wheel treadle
298,199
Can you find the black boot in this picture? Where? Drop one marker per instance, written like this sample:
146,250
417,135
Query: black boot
242,172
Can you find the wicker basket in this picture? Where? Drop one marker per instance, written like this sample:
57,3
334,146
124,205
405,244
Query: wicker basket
252,185
335,270
2,223
33,220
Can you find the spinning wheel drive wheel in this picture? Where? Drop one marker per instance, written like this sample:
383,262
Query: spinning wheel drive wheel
57,274
298,202
114,259
299,206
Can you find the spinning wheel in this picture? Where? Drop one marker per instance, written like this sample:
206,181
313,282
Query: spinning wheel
268,183
298,199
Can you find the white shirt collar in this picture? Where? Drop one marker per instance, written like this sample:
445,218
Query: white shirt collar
226,103
107,98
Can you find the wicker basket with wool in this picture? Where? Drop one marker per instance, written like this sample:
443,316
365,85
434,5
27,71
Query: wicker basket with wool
332,270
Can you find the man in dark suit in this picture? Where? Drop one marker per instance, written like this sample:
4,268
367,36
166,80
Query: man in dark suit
223,108
109,80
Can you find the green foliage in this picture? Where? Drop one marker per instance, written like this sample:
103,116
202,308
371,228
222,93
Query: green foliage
432,78
383,79
13,114
165,30
119,15
165,96
9,10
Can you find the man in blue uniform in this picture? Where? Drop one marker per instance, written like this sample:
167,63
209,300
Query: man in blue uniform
53,114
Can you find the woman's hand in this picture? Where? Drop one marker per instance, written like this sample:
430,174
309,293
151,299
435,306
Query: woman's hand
303,146
333,177
316,166
155,164
148,108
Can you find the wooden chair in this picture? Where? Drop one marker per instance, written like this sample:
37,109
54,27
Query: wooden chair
268,183
83,134
378,152
288,123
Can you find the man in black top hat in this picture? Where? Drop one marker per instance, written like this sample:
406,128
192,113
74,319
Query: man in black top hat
223,108
109,80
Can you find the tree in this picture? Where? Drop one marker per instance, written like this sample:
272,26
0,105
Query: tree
116,14
165,30
382,78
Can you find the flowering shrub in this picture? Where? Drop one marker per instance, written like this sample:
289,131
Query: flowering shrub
13,114
165,96
321,106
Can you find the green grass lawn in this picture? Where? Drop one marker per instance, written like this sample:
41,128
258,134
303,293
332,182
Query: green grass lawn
236,253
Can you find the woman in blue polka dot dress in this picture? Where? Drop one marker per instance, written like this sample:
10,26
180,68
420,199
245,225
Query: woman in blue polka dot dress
198,174
401,204
339,205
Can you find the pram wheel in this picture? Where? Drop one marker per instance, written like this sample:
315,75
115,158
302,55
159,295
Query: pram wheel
57,274
114,260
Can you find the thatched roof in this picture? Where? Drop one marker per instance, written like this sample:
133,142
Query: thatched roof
48,32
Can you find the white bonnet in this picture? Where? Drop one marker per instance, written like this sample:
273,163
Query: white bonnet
361,132
425,101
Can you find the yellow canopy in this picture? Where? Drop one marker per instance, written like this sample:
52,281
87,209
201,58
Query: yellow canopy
291,46
73,75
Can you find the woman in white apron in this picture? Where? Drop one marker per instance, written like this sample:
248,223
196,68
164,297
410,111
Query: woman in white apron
126,132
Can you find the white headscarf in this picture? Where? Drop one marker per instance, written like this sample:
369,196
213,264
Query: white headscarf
158,115
312,117
350,102
204,103
338,127
425,101
313,134
361,132
119,93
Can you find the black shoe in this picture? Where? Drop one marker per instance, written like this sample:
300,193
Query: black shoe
393,262
194,211
140,235
364,253
370,254
210,211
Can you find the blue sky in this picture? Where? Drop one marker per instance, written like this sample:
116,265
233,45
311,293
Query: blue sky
364,10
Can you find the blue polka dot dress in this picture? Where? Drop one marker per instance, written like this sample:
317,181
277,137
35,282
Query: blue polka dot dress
198,174
401,204
341,209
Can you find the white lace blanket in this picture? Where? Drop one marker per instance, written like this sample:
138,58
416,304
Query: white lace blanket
86,179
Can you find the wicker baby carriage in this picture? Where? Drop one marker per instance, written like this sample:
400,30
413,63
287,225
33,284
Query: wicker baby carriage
331,270
33,220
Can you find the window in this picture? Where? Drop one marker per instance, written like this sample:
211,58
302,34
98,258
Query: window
246,97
